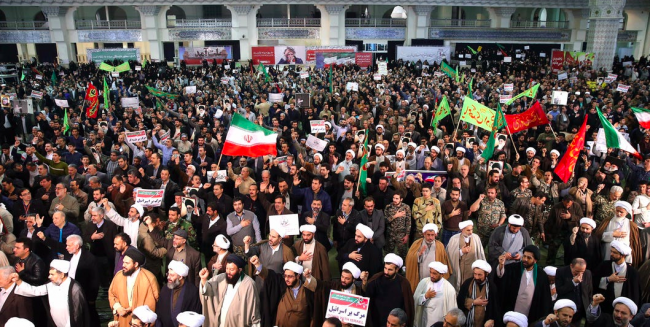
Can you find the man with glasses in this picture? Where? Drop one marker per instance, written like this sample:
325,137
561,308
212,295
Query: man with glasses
24,208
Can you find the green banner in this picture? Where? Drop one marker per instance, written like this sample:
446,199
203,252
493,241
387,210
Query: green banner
101,55
448,70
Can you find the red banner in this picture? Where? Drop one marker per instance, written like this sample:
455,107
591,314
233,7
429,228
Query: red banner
530,118
265,55
363,59
557,61
91,97
565,167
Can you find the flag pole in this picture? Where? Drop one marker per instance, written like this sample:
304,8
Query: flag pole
219,162
514,146
457,125
549,125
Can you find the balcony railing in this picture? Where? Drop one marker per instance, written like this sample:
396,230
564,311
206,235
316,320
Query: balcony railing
198,23
461,22
24,25
288,22
107,24
538,24
375,22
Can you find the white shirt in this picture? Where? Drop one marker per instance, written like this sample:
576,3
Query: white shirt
57,297
130,227
231,291
74,262
213,221
130,283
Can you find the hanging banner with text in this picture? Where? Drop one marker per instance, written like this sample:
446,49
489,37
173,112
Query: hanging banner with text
195,56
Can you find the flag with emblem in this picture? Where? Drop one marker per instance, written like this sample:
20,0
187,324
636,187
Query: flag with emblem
245,138
93,101
363,170
614,139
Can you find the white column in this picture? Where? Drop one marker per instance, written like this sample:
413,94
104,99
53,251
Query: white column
504,15
244,27
56,18
603,30
332,24
579,27
417,22
151,30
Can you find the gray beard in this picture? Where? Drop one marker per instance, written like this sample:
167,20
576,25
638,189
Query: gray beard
173,285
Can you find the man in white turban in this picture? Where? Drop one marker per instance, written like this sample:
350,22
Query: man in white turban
311,254
434,296
169,306
624,310
562,316
389,290
615,277
479,297
190,319
509,239
66,303
582,243
622,229
142,316
515,319
464,249
422,253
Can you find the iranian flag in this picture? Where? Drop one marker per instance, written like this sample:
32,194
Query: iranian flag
247,139
614,139
643,116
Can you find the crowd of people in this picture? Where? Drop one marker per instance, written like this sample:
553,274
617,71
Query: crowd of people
432,236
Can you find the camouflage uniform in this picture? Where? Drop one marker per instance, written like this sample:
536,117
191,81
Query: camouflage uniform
422,216
397,229
185,225
534,216
518,193
489,214
604,208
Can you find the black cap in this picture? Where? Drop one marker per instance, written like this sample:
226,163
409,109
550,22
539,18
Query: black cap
237,260
534,250
181,233
135,255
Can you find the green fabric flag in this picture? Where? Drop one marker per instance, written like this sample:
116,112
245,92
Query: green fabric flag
158,93
470,49
144,62
457,77
123,67
22,75
331,86
107,95
267,78
500,46
448,70
53,77
477,114
530,93
363,171
443,111
66,124
499,123
469,93
106,67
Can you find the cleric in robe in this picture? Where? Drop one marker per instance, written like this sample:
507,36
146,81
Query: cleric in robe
177,296
583,243
361,251
349,283
523,286
389,290
230,299
621,229
616,277
423,252
433,297
478,296
464,249
311,254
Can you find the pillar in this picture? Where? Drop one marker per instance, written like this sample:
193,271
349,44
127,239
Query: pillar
244,27
579,27
151,31
332,24
604,18
56,18
417,22
503,16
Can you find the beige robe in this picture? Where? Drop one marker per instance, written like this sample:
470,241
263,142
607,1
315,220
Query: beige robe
461,266
244,309
428,312
413,265
145,291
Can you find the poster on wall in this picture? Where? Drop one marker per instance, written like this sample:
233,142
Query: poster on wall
289,55
560,58
329,51
195,56
100,55
429,54
363,59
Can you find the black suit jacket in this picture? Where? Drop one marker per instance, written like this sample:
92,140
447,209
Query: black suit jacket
16,306
566,289
189,302
170,189
110,230
342,233
87,275
322,227
208,234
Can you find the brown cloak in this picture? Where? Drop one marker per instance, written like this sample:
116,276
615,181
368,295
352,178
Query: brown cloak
412,270
635,243
145,291
320,266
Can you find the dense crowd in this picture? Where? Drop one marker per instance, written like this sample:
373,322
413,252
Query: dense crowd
433,235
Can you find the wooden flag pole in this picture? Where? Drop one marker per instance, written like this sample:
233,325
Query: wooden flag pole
549,125
514,146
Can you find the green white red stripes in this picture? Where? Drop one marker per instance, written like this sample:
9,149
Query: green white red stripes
248,139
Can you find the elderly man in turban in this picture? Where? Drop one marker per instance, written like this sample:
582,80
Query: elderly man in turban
178,296
217,263
230,299
464,249
311,254
622,229
562,315
434,296
524,286
478,296
66,303
509,240
388,290
515,319
142,317
624,310
423,252
132,287
615,277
